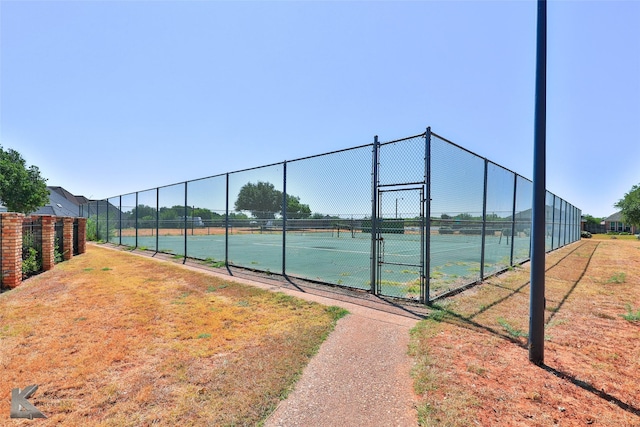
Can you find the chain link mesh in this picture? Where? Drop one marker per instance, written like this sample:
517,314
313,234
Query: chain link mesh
444,218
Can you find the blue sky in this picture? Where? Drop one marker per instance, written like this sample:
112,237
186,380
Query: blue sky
110,97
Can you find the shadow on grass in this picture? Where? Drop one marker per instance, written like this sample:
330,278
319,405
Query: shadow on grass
467,322
591,389
573,287
524,285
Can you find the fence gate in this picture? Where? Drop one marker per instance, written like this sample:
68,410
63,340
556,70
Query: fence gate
401,242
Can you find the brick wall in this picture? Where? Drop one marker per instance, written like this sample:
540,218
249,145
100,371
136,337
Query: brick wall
67,239
11,248
82,235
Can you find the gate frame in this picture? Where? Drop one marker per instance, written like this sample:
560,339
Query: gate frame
379,241
425,210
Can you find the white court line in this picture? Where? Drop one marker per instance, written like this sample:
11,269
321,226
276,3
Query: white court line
317,249
387,254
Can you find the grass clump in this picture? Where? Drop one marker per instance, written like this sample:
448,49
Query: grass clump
513,332
631,315
618,278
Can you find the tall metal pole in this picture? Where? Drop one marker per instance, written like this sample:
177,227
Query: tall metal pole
537,299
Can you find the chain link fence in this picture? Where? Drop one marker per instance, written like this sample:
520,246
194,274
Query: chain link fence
414,218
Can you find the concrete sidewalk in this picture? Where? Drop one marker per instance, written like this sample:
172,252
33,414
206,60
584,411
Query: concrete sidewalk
360,377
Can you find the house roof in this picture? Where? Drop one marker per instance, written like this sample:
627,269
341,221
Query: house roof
61,203
615,217
77,200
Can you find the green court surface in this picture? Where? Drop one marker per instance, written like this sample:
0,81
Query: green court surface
345,258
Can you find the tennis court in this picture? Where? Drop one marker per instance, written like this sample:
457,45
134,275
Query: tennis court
343,257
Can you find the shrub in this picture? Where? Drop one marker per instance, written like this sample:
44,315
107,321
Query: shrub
585,235
445,230
30,262
97,230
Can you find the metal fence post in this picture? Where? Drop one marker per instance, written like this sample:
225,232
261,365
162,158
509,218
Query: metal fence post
120,220
513,217
226,224
186,227
561,225
157,219
374,216
484,219
107,237
135,221
553,220
566,224
284,219
427,249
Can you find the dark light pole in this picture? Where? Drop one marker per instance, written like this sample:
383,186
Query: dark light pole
401,198
537,294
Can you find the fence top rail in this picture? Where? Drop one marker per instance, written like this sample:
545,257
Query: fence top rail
482,157
257,167
421,135
477,155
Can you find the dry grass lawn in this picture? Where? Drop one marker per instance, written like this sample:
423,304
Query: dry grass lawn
114,339
472,358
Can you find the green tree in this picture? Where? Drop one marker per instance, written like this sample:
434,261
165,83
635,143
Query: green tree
143,211
592,220
629,205
22,189
264,201
295,209
261,199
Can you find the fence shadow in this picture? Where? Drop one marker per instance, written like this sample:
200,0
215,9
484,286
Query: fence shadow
591,389
468,322
524,285
573,287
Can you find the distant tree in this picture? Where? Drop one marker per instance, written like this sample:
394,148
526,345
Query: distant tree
592,220
464,217
261,199
204,213
629,205
297,210
264,201
143,211
22,189
233,215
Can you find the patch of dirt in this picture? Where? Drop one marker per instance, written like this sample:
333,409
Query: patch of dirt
472,364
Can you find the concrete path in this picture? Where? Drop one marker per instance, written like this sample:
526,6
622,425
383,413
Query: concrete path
360,377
